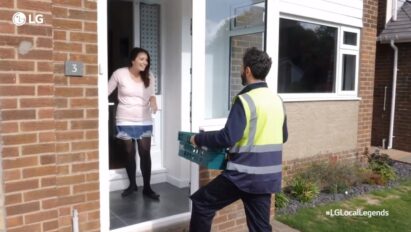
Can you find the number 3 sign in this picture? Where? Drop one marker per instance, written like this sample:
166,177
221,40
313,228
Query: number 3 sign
73,68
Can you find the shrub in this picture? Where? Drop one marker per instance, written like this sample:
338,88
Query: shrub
334,178
281,200
381,165
303,189
385,171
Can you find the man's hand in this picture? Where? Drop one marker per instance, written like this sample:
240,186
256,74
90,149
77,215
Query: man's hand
192,141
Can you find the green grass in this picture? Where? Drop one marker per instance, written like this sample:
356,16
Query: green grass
396,201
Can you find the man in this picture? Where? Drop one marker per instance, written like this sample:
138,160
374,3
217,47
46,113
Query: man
255,130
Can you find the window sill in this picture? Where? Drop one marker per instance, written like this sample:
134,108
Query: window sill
306,98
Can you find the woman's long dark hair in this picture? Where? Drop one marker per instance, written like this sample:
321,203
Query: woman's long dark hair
145,75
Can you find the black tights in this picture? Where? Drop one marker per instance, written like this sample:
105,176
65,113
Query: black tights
144,146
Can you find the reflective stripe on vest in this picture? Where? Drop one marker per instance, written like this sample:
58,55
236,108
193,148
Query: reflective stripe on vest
254,170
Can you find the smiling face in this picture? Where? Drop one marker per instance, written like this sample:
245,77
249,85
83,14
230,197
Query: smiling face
140,62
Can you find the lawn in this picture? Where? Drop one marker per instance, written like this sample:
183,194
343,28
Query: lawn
396,202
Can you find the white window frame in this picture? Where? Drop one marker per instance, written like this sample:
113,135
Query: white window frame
352,30
341,49
340,91
243,4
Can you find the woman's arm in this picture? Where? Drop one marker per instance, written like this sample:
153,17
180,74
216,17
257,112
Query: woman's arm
153,104
112,84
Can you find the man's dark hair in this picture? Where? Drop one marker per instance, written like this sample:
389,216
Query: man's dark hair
258,61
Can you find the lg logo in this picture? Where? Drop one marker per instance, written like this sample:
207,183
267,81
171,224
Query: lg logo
20,19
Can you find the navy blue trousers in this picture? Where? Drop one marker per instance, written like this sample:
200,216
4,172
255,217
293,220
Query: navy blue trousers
219,193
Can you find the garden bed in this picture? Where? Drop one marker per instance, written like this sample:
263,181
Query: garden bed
402,170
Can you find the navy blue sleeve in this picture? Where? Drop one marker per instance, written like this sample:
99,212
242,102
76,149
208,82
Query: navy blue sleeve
230,134
285,130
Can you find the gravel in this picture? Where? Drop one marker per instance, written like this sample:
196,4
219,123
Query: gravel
403,172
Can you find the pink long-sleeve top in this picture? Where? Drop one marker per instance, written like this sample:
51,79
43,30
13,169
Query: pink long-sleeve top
133,107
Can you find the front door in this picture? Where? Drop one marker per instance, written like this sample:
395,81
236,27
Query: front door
162,27
122,37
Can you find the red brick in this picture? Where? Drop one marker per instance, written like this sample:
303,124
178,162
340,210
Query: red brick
69,200
38,149
83,14
13,199
48,181
37,55
8,152
84,124
86,145
67,47
59,35
69,114
67,180
9,127
67,24
10,175
15,220
19,139
50,225
47,159
44,66
37,125
22,208
69,92
13,41
6,53
36,78
85,167
17,90
20,162
33,5
26,228
83,37
84,103
39,171
21,185
7,78
44,42
7,4
40,194
35,30
45,90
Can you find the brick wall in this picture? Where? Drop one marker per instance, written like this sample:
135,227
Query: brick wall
383,80
382,9
49,121
366,75
383,86
402,128
381,117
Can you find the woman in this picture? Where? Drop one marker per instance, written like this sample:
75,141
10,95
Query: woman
133,117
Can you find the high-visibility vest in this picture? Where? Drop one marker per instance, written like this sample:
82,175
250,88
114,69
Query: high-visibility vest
259,152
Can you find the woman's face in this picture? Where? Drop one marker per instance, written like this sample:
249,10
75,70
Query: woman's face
140,62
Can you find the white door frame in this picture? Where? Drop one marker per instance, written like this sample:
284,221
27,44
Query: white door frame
104,174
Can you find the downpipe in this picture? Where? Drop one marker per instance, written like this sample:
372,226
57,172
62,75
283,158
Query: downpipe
394,93
74,220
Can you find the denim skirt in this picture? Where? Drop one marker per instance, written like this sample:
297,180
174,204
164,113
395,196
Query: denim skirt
134,132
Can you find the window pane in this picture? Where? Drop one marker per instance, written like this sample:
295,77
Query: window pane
219,15
348,72
350,38
249,15
307,54
238,45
